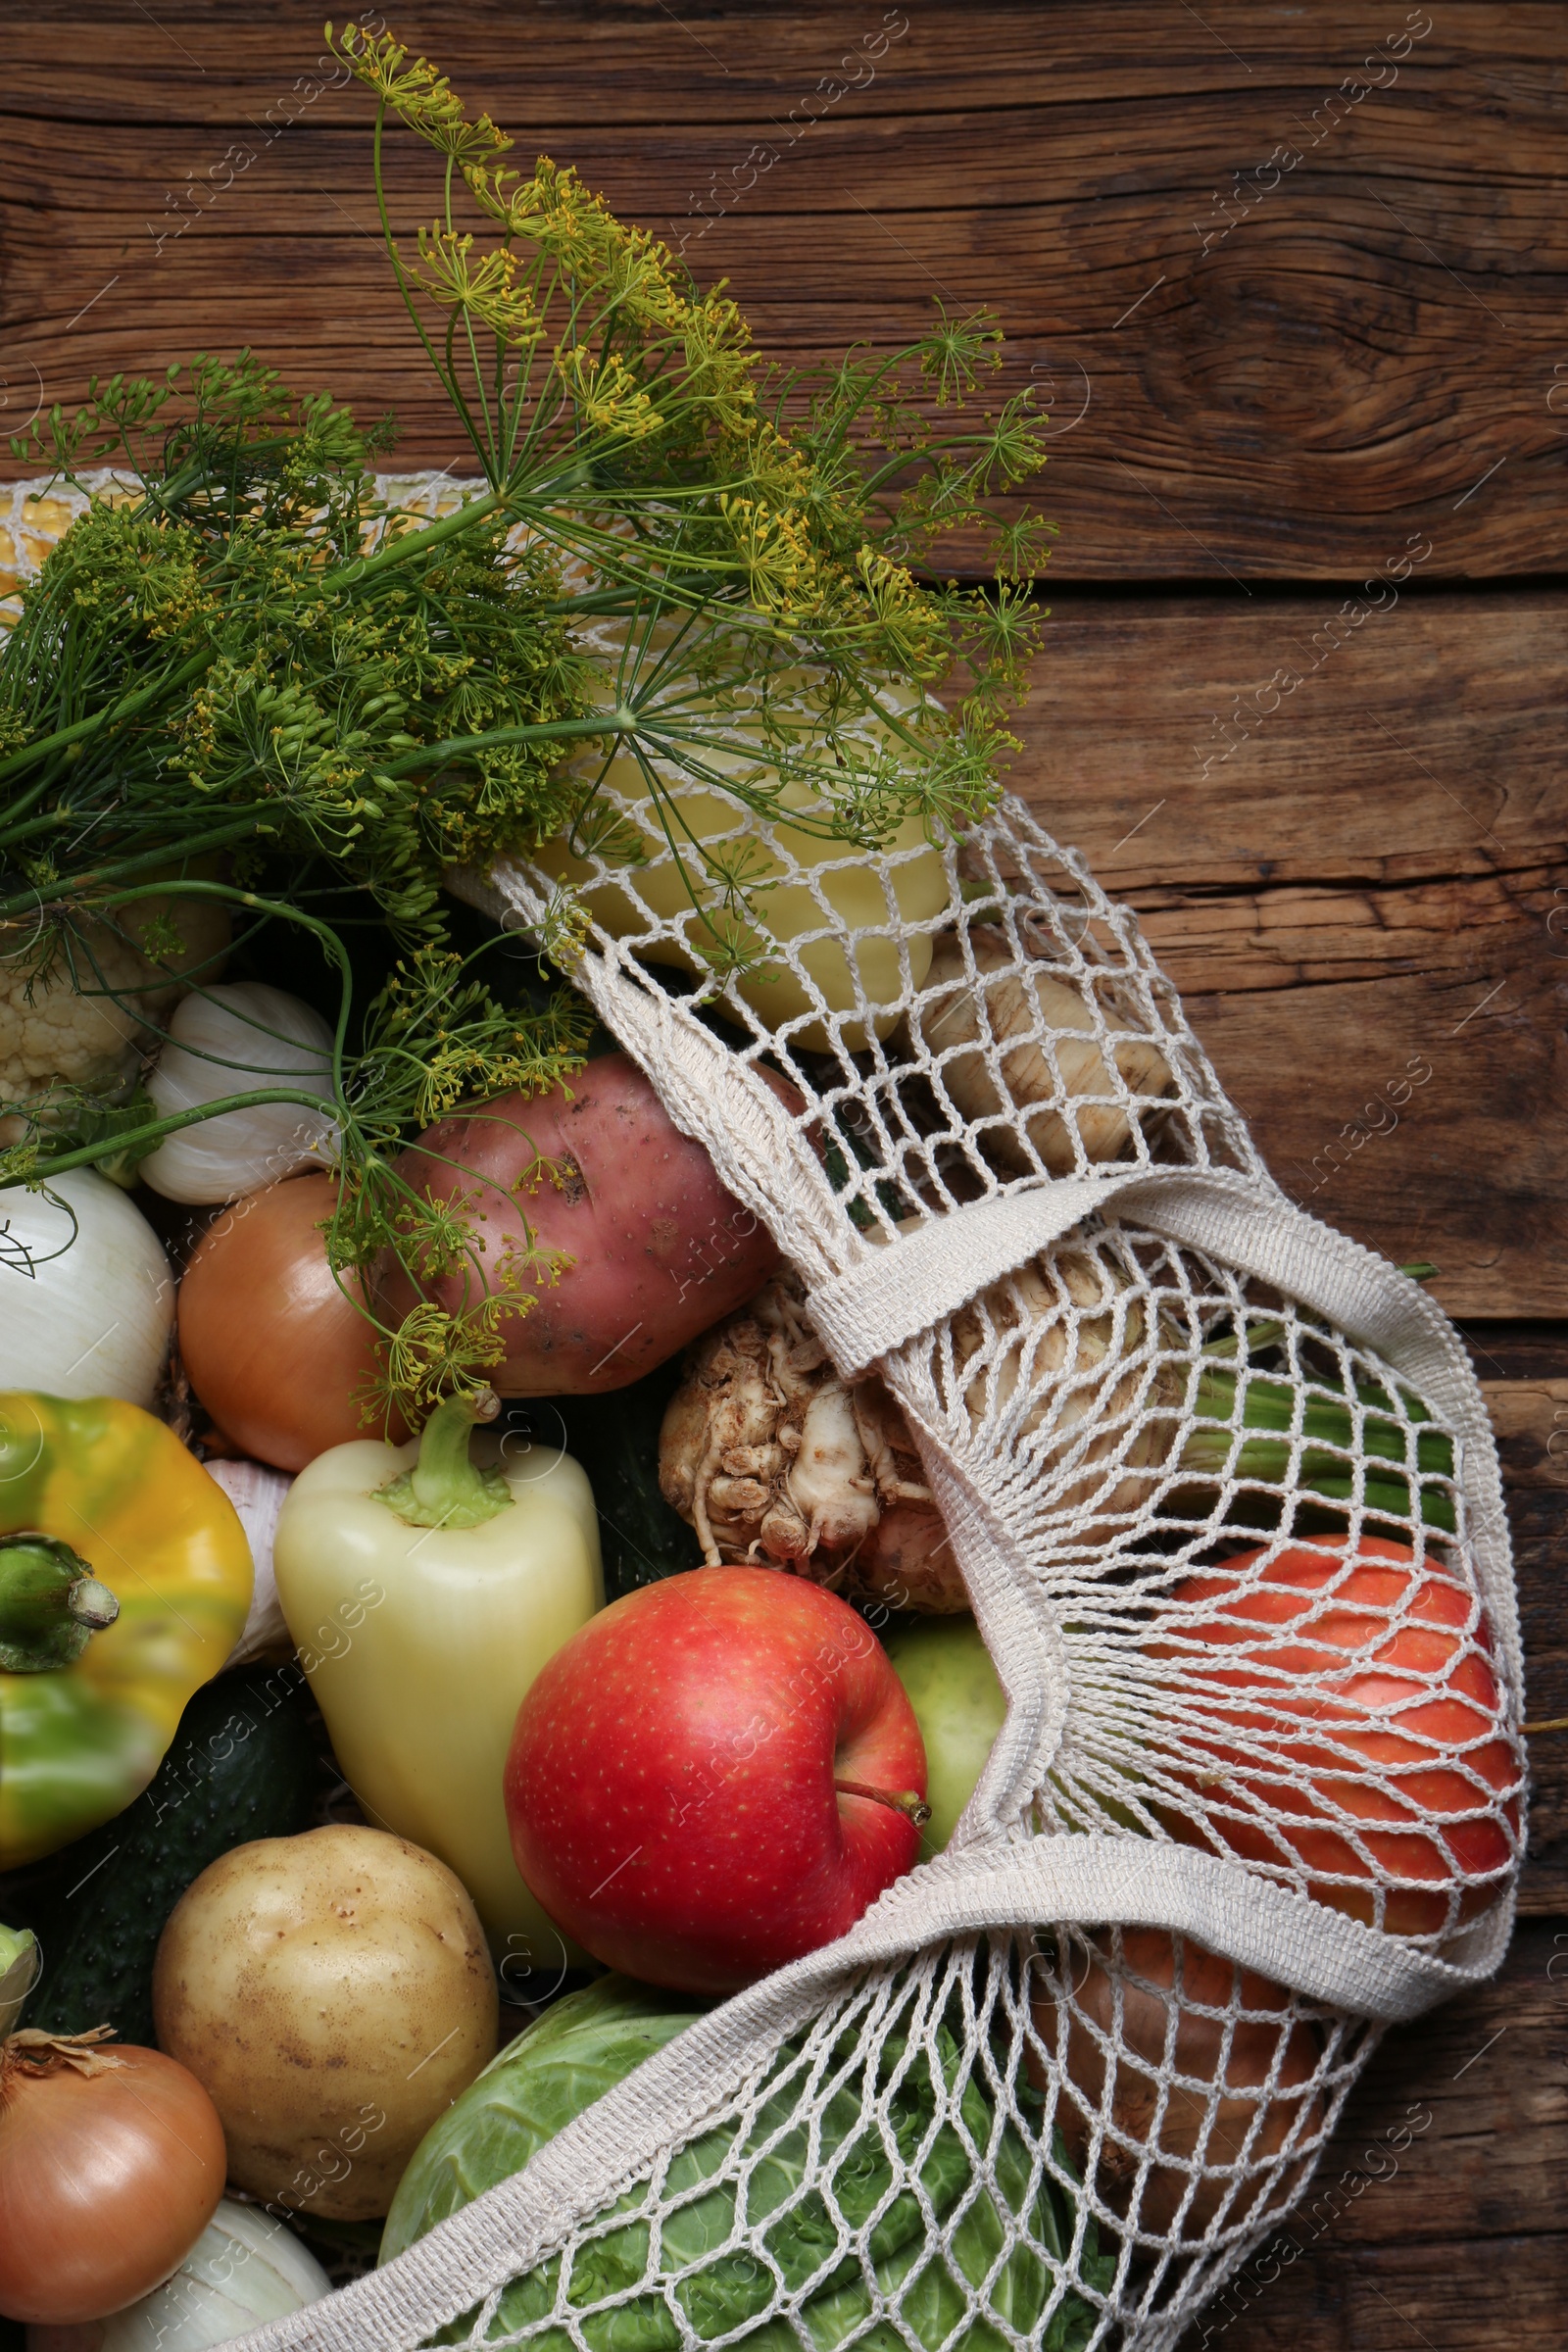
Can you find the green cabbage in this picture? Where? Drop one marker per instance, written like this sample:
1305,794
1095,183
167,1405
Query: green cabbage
585,2044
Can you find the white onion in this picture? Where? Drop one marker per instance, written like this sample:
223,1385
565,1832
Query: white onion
83,1316
257,1493
244,2269
227,1041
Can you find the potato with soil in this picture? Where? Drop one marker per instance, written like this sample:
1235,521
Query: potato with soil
1046,1041
599,1171
1221,2128
332,1994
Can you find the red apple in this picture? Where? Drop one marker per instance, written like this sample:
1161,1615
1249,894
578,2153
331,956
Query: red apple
719,1773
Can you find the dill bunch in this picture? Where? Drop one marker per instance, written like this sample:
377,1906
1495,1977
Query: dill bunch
247,679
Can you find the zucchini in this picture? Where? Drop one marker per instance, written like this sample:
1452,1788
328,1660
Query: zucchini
615,1438
245,1763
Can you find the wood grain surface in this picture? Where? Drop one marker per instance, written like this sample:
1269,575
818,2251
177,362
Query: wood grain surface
1290,282
1355,880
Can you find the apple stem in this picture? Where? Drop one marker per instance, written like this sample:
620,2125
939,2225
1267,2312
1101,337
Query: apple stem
902,1800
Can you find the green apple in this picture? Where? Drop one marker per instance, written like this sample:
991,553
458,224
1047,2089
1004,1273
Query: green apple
945,1670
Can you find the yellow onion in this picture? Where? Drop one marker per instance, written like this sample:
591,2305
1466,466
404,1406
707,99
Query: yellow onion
111,2166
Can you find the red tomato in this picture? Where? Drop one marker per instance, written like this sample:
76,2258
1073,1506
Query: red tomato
1402,1773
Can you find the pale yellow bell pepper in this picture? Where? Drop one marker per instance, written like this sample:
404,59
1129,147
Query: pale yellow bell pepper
424,1596
850,880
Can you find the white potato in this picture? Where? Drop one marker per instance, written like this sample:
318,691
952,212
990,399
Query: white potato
332,1993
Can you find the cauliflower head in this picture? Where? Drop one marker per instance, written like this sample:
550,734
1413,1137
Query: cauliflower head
87,1018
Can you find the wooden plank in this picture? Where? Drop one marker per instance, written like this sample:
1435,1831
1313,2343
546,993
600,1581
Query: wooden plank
1255,367
1426,2223
1363,896
1422,736
1524,1374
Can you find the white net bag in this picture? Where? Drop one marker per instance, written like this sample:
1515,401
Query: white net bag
1222,1495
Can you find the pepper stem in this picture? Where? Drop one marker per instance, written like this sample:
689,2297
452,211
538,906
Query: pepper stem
51,1604
445,1488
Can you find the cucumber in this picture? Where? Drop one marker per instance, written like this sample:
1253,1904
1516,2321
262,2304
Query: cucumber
245,1763
615,1438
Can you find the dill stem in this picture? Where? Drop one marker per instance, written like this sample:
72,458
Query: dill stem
153,1131
97,878
126,707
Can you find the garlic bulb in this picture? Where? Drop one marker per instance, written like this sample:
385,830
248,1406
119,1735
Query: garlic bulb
86,1294
257,1493
244,2269
229,1041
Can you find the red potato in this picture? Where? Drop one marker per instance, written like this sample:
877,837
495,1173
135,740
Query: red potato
660,1249
1219,2128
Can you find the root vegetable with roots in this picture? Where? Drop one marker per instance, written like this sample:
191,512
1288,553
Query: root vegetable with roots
775,1461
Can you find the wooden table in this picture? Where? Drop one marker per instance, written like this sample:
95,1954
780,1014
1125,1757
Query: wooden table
1292,282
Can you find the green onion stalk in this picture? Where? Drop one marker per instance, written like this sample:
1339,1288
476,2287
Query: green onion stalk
1325,1432
250,677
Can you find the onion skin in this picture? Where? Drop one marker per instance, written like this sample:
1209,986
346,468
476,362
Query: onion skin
272,1347
1195,2049
107,2180
93,1318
